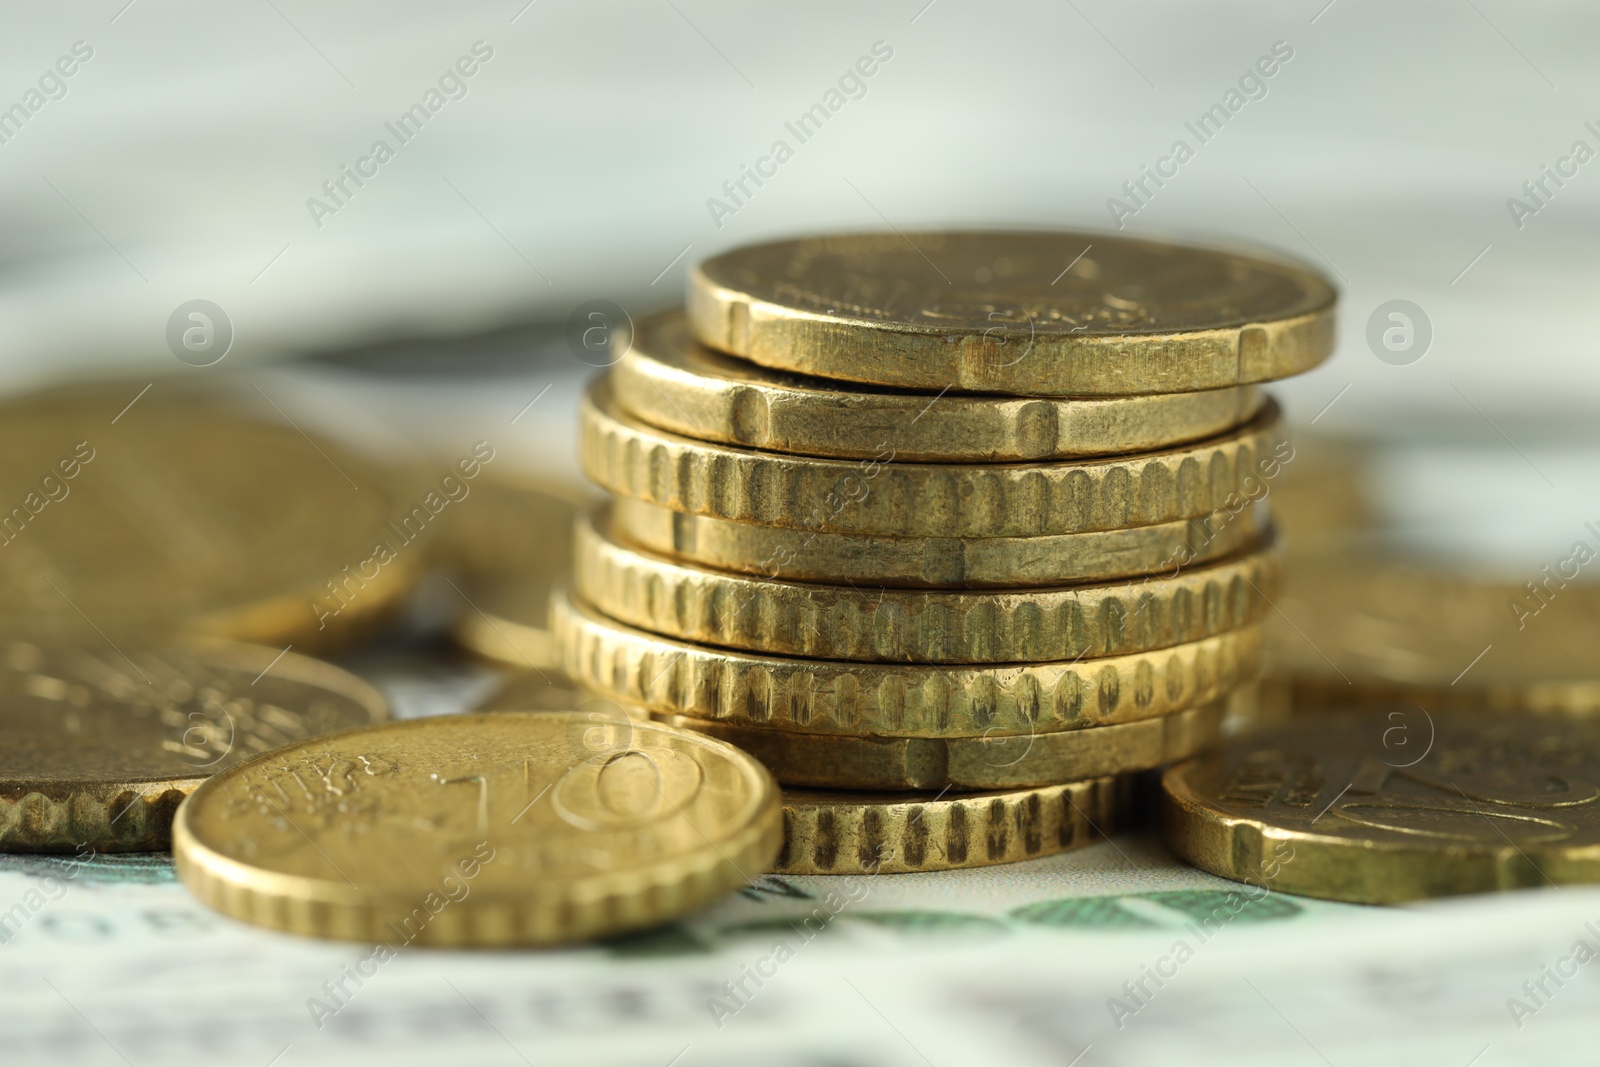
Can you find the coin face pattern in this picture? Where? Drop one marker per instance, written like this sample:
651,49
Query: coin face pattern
494,828
1031,313
98,746
1397,804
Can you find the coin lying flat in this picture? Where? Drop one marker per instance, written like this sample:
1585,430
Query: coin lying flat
995,762
1384,806
509,545
829,832
486,829
885,497
97,748
837,697
693,603
668,380
128,514
1048,314
1361,627
938,562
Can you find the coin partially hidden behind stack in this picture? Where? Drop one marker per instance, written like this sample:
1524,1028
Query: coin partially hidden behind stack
917,516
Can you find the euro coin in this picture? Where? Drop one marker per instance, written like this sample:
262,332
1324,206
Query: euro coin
667,379
127,515
693,603
839,832
1389,805
1046,314
885,497
976,763
840,698
939,562
99,744
1369,627
491,829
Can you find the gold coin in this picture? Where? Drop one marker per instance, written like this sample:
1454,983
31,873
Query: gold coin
692,603
837,832
1357,627
669,380
1047,314
888,498
509,546
995,762
897,699
127,515
938,562
97,747
491,829
1380,807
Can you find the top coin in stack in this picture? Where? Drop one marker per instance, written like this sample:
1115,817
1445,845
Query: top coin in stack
669,380
1031,314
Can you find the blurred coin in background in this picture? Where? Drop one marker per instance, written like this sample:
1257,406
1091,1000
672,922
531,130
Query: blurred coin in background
159,508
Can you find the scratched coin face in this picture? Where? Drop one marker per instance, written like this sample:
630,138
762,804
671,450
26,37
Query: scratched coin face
1394,804
1034,313
490,828
98,745
123,512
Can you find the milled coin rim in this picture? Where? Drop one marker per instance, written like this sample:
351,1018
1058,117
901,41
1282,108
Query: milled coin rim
631,458
879,833
80,810
687,601
842,698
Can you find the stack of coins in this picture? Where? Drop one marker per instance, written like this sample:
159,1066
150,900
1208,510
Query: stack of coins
941,515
